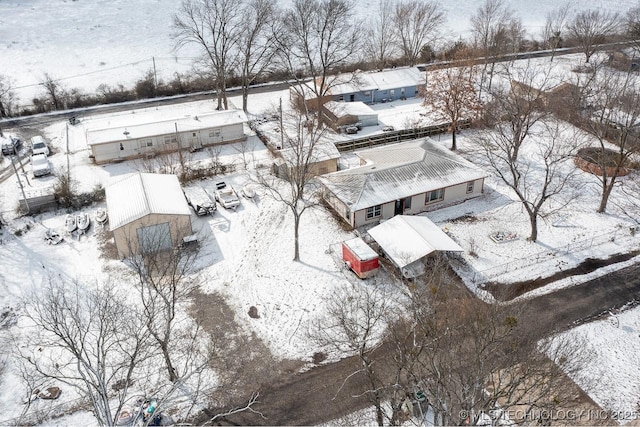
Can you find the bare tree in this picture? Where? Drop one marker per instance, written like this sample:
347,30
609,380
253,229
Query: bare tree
513,117
318,37
417,24
591,28
356,323
495,30
7,96
165,278
542,175
451,94
54,91
555,26
256,42
90,339
501,373
632,26
214,26
611,114
302,149
380,42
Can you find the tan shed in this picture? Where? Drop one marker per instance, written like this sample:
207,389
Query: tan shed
147,210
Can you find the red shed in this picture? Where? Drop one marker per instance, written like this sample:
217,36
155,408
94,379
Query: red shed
360,257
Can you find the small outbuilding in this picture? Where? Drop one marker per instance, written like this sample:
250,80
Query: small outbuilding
147,212
339,114
359,257
408,240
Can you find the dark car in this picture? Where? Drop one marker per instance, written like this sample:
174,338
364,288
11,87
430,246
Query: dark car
10,145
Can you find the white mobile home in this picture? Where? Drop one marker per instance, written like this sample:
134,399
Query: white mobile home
130,139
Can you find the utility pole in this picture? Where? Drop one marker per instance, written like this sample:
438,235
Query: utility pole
281,127
155,74
24,196
68,165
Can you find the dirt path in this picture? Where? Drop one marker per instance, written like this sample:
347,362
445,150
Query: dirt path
320,394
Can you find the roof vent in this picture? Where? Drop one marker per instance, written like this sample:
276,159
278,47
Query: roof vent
126,133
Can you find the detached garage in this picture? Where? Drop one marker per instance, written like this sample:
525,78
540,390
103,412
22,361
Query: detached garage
147,212
347,113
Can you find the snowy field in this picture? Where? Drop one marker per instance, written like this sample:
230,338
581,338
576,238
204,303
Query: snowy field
90,42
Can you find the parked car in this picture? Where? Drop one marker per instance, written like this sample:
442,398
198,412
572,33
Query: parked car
351,129
40,165
39,146
10,145
226,196
199,200
388,129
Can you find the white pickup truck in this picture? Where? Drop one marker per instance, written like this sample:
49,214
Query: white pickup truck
227,196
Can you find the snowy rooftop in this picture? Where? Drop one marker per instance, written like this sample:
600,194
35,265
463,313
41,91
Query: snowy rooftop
360,249
400,170
382,80
138,126
136,195
349,108
368,81
406,239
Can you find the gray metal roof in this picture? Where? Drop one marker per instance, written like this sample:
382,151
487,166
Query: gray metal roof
137,195
397,171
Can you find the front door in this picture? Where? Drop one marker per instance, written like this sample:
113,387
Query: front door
407,204
399,207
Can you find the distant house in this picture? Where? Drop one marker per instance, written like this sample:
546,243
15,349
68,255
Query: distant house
408,240
405,178
132,138
367,87
340,114
560,98
147,210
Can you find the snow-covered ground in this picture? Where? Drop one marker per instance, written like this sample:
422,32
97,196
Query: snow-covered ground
247,254
90,42
612,372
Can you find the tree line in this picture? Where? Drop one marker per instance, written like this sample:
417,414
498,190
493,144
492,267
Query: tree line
245,42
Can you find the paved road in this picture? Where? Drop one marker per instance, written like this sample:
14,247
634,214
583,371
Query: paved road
313,397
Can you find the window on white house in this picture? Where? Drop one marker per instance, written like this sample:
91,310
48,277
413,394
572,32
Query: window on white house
434,196
170,139
469,187
215,133
145,143
374,211
392,92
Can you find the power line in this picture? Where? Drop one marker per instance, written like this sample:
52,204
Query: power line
165,58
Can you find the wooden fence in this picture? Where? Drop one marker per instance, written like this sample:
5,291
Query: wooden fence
398,136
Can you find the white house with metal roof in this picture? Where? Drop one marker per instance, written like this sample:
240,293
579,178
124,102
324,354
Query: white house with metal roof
147,211
134,136
405,178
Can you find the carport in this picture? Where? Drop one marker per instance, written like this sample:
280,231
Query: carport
407,240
